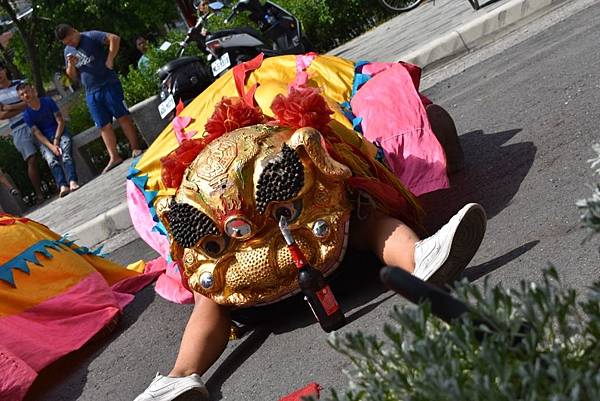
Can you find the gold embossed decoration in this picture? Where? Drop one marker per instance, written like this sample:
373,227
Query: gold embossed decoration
232,196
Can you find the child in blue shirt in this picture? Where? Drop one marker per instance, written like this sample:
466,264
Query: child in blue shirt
48,126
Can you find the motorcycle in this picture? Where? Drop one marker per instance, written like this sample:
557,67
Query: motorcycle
187,76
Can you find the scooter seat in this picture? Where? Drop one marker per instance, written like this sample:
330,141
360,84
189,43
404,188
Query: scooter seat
176,64
228,32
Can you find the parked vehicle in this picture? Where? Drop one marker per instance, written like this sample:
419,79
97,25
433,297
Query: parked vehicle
399,5
279,32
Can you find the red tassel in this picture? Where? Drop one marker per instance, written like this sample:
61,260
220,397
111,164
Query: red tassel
312,389
179,108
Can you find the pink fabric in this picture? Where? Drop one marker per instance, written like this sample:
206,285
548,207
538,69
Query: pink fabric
179,124
393,115
303,61
62,324
16,375
142,220
168,284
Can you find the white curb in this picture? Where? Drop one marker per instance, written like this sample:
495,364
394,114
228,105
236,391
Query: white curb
461,39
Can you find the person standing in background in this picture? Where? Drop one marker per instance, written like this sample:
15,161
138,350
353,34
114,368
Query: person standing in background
89,58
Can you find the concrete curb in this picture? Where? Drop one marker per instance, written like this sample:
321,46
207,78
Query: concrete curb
462,39
102,227
106,226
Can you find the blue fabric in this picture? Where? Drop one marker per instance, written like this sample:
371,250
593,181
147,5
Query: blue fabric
54,161
91,64
106,103
20,261
43,118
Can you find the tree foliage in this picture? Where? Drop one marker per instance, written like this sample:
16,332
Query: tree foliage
125,18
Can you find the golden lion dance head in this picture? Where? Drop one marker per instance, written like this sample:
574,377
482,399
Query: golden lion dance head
222,221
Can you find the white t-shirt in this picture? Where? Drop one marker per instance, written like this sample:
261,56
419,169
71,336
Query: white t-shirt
9,95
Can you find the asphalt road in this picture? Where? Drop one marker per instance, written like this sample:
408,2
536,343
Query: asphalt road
527,118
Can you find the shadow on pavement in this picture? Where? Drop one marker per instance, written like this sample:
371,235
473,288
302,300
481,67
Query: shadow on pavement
476,272
66,378
242,351
493,173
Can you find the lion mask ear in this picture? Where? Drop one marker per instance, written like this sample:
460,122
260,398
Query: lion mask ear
163,206
310,140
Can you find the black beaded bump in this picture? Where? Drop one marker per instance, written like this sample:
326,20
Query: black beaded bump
281,179
188,225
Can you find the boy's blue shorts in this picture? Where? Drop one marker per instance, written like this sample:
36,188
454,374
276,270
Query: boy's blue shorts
106,102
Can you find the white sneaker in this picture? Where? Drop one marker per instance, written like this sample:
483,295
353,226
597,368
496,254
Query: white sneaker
165,388
441,258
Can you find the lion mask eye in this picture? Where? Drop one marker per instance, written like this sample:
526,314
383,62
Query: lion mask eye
281,180
189,225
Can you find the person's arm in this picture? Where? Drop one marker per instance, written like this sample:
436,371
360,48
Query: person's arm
11,110
114,42
44,141
72,72
60,128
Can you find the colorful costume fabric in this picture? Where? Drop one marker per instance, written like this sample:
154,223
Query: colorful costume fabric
398,156
54,297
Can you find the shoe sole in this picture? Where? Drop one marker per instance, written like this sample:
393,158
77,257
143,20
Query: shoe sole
445,131
192,395
465,243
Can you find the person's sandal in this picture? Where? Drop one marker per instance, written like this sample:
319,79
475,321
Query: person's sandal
110,166
136,152
64,191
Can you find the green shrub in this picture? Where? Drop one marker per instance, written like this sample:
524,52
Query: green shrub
79,116
140,84
12,164
590,207
329,23
425,359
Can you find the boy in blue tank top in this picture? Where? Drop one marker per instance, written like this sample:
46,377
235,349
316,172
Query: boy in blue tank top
44,118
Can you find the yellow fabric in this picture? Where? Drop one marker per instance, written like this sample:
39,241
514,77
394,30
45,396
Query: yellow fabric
53,276
333,75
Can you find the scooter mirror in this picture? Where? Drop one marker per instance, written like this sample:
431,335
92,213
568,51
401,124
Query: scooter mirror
216,6
165,46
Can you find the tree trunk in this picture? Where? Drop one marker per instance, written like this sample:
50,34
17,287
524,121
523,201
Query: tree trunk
35,65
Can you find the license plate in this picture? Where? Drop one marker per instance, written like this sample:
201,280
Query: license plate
221,64
166,106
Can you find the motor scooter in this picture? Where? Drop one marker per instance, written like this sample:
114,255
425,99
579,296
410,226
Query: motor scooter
186,77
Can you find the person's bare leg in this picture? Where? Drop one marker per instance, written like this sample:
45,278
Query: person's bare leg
126,124
392,241
204,339
110,141
34,177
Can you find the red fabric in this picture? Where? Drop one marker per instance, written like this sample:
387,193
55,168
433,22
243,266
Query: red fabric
240,72
232,113
303,107
312,389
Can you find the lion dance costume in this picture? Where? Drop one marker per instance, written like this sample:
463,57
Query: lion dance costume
308,137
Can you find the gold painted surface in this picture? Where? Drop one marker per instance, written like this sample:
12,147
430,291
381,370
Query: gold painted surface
259,269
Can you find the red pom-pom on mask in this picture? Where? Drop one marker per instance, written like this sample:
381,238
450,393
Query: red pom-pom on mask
231,114
303,107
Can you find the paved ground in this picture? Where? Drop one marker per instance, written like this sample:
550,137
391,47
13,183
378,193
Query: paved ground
527,116
413,29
